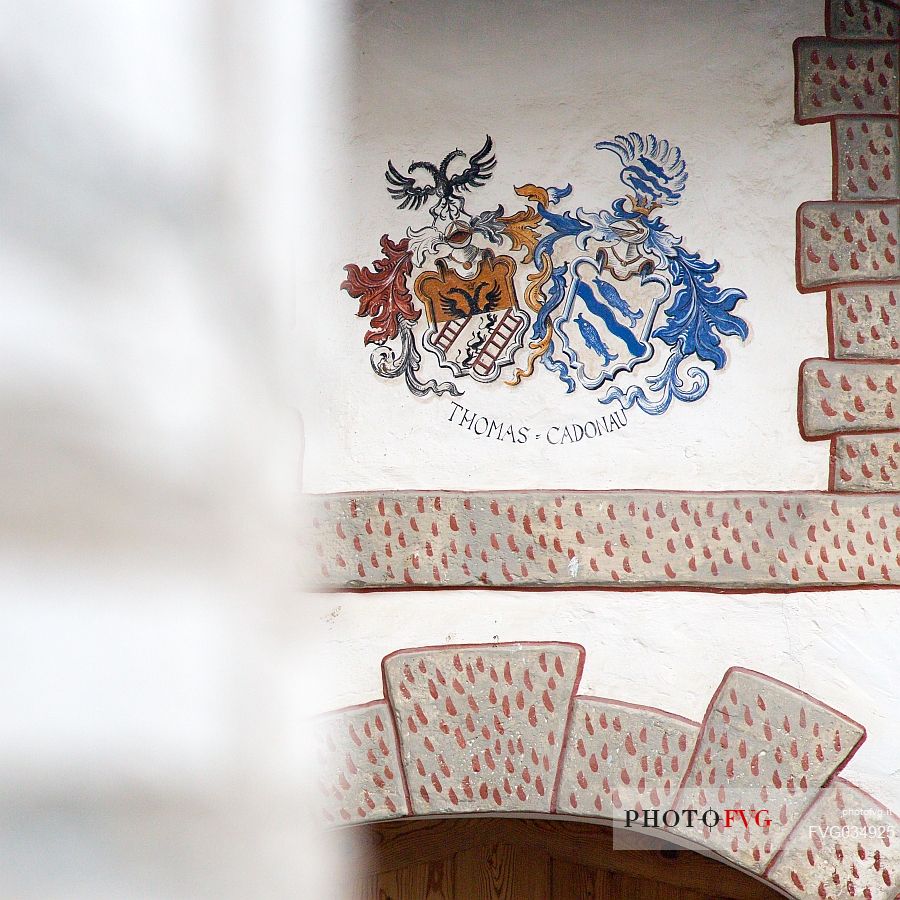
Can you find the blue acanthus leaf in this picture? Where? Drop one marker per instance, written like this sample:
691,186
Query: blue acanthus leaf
700,311
668,385
562,226
555,293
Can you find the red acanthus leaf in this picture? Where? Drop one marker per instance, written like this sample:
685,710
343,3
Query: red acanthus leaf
382,291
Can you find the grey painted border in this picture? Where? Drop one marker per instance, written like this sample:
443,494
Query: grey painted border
637,539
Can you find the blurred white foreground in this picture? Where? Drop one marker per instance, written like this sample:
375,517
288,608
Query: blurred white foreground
153,668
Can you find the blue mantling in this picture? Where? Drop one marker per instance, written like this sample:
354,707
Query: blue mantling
698,316
668,385
700,311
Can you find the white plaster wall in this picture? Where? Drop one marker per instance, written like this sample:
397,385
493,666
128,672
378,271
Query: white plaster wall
667,650
547,80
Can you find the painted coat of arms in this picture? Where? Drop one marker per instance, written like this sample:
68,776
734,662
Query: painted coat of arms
607,301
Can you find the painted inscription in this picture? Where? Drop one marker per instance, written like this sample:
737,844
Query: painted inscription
485,426
607,301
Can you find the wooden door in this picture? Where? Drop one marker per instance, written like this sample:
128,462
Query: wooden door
532,859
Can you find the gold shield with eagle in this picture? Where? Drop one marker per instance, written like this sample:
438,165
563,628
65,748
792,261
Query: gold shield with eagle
476,325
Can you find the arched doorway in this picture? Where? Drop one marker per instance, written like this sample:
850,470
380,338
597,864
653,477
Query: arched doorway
487,858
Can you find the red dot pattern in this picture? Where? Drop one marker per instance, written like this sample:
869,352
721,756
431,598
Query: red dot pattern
621,757
850,244
359,775
865,322
867,154
847,242
845,78
483,727
847,846
604,539
760,748
840,396
863,18
868,463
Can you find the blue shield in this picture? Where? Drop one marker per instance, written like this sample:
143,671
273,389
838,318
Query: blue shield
607,318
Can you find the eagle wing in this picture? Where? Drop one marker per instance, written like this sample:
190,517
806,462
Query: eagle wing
405,189
492,298
479,169
451,306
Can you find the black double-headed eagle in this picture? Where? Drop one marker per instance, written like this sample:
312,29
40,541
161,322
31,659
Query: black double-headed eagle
446,187
460,303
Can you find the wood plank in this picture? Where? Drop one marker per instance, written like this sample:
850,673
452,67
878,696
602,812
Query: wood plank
502,872
422,881
569,880
624,887
603,884
394,844
574,882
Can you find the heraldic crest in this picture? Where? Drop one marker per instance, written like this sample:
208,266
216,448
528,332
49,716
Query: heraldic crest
607,301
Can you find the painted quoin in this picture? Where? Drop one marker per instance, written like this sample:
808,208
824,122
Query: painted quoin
473,303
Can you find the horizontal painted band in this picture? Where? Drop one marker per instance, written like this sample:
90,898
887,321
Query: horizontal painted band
618,539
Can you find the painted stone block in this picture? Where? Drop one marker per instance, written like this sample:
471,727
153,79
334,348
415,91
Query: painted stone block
841,243
763,746
870,463
623,757
866,154
865,321
358,764
844,78
846,397
482,727
862,18
614,539
847,845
